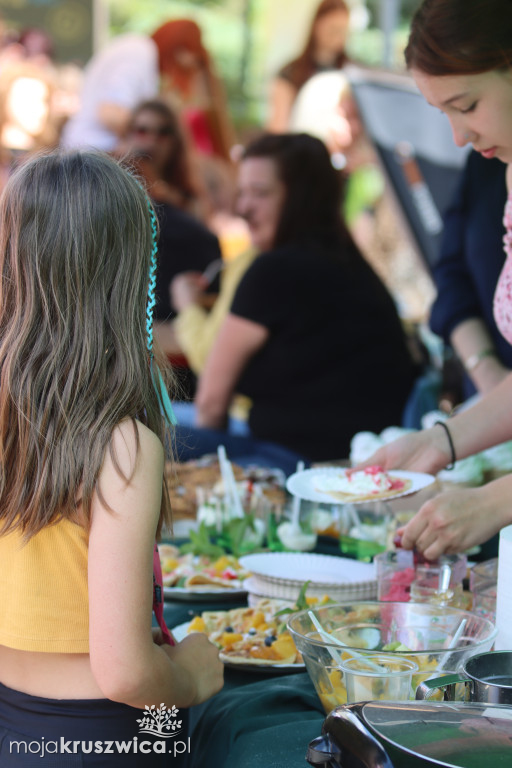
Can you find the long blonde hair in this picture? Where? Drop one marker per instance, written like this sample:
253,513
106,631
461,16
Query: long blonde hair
75,249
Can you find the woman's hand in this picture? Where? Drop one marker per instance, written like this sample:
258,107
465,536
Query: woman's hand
425,451
186,289
457,520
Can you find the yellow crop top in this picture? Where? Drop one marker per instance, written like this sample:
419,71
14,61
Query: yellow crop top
44,603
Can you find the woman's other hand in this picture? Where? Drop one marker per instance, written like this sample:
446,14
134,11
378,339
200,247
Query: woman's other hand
186,289
458,520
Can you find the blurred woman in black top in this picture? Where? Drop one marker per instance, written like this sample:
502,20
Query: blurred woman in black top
313,337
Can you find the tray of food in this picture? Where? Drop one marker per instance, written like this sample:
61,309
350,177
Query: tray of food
200,577
196,488
254,638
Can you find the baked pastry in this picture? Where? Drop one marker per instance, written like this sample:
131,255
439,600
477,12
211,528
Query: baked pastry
368,484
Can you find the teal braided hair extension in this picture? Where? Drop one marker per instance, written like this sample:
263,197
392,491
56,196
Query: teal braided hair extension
152,281
159,384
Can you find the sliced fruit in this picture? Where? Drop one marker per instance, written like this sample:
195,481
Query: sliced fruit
197,625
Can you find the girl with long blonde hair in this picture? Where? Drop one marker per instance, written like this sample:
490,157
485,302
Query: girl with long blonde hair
82,495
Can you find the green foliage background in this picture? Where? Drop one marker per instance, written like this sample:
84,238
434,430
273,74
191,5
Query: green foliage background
233,32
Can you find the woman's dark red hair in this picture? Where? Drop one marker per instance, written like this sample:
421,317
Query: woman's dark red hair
170,37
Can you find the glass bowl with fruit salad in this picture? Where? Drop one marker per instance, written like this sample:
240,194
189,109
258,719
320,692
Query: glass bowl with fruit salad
437,638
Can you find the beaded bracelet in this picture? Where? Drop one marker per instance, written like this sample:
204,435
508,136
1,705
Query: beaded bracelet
444,425
473,360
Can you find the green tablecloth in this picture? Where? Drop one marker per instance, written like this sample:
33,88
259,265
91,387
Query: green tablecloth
256,722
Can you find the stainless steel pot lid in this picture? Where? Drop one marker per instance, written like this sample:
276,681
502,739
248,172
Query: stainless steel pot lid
451,733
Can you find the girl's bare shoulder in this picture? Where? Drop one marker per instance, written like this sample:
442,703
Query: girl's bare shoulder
134,443
131,474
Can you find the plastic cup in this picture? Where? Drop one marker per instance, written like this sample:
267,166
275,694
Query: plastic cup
428,588
395,573
365,533
423,591
392,683
483,579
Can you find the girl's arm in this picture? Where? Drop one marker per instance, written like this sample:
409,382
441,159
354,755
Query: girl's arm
238,341
127,665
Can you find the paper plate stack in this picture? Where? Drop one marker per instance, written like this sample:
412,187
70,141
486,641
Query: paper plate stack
282,574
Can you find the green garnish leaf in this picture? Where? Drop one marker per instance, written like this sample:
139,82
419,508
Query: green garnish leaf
300,604
201,544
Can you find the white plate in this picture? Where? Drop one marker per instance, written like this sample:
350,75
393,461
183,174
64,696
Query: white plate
205,592
284,589
302,484
324,570
180,632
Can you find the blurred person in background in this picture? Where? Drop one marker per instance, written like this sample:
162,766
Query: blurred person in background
190,78
195,329
157,149
26,120
462,313
324,50
156,140
37,46
128,70
326,108
312,336
192,84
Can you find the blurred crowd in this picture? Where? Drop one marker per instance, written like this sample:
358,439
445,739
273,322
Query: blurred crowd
156,103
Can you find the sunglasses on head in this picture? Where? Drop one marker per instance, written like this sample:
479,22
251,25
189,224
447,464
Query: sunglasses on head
146,130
